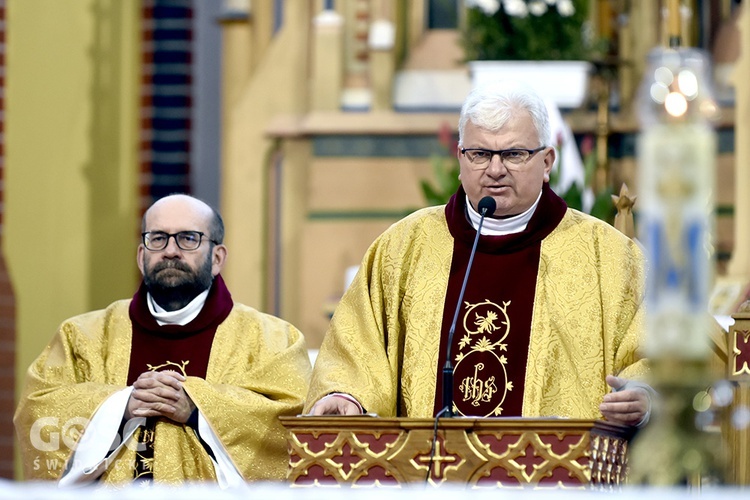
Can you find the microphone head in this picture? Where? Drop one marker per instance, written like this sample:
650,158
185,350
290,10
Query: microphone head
486,206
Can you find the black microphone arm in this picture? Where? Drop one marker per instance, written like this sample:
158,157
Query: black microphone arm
485,207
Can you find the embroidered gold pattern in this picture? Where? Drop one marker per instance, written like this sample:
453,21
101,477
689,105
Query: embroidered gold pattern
144,460
487,325
179,366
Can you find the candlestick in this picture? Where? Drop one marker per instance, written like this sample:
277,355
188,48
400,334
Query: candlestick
674,23
676,156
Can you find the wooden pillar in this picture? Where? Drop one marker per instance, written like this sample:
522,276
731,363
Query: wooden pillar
356,57
382,64
237,53
739,266
627,76
328,61
263,17
277,85
381,43
641,36
292,205
416,22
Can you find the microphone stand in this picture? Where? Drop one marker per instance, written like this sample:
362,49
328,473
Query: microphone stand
485,205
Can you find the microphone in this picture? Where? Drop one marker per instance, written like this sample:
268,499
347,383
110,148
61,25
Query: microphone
485,207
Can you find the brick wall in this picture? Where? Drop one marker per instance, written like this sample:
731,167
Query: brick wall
166,98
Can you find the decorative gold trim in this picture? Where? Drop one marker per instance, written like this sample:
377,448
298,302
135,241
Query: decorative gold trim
482,453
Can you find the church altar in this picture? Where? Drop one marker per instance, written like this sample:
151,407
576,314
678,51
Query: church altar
480,453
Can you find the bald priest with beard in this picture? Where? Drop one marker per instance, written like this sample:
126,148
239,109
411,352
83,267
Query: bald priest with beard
179,383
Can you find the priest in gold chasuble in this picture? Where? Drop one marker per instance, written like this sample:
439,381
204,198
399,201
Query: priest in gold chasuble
178,384
551,321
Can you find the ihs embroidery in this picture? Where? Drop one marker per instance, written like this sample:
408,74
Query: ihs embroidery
480,366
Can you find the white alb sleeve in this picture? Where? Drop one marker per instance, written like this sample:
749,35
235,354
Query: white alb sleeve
100,441
227,474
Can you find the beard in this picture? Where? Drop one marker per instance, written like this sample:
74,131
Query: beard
173,283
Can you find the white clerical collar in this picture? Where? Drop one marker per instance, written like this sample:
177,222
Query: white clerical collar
180,317
500,227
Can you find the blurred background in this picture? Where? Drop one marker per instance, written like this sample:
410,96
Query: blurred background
312,125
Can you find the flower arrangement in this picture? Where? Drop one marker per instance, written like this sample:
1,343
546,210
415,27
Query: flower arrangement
518,30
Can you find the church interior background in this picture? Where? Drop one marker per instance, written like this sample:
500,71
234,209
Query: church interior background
310,124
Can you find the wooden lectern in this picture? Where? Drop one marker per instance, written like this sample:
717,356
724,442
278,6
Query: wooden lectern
480,453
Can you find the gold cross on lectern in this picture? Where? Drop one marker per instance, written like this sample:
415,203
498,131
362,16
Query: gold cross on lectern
438,460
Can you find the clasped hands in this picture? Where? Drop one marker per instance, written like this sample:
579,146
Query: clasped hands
160,394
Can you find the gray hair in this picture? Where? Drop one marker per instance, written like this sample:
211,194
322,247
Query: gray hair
492,105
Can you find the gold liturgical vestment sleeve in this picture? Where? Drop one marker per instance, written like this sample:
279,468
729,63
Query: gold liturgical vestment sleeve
382,344
258,370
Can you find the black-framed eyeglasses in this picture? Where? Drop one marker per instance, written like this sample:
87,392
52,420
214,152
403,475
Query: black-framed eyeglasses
186,240
480,157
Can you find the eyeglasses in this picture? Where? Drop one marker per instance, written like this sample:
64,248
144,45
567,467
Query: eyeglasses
481,157
186,240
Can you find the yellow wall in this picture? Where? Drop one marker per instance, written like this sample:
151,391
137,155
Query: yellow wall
71,225
347,189
277,86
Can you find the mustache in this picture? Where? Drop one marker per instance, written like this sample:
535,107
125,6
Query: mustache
171,264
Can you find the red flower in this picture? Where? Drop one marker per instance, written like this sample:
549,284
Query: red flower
445,136
587,145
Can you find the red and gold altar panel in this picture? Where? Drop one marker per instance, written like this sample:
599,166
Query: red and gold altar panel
481,453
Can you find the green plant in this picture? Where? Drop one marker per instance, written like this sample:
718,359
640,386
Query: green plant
602,206
445,170
527,30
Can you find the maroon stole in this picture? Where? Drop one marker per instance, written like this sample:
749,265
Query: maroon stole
184,349
491,341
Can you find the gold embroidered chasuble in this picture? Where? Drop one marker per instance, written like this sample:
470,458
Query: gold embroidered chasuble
383,341
258,370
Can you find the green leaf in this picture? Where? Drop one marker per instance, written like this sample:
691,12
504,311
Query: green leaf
603,208
573,197
445,171
546,37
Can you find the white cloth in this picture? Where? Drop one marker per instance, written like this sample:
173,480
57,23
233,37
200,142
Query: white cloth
568,161
181,316
500,227
101,443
